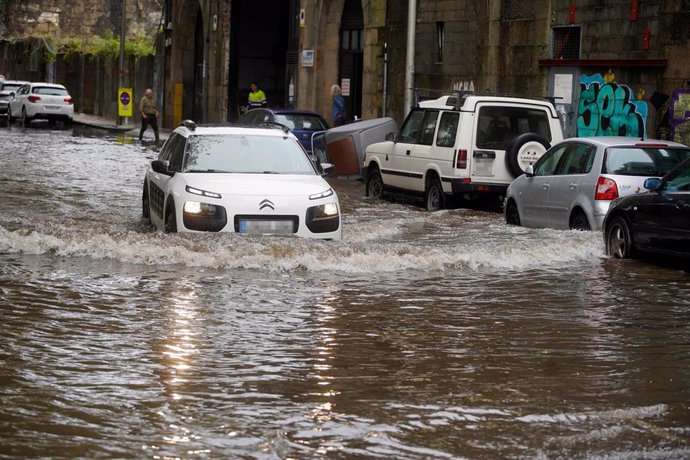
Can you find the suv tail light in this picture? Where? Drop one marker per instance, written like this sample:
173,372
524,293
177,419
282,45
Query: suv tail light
607,189
68,100
33,98
461,162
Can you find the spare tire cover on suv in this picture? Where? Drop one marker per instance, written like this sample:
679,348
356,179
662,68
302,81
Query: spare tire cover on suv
523,151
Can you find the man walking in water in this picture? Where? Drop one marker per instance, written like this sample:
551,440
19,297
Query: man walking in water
149,114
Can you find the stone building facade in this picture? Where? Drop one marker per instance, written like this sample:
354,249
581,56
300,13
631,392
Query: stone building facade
584,53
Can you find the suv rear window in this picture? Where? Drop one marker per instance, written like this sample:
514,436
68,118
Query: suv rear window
498,125
642,161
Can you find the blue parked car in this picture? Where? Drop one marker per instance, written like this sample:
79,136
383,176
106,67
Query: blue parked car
302,123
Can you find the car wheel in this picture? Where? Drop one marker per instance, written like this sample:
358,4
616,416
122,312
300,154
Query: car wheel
433,195
26,120
170,219
523,151
374,186
145,207
9,117
578,221
619,243
512,214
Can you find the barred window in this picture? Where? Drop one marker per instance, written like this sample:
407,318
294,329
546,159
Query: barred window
440,40
566,42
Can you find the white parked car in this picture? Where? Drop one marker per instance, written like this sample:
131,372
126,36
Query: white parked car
252,180
572,185
462,145
46,101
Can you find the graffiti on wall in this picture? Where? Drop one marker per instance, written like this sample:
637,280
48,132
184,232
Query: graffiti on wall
679,118
607,108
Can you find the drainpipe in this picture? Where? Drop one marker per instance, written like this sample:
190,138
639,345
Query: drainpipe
409,62
123,36
385,77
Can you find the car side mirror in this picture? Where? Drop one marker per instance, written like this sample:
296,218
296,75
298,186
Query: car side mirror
161,167
327,168
390,137
652,183
529,171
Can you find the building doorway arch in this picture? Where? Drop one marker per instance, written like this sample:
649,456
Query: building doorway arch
262,49
351,56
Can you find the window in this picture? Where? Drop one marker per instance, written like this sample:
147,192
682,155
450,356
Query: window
498,125
547,164
578,160
410,130
447,129
566,42
429,124
638,161
440,40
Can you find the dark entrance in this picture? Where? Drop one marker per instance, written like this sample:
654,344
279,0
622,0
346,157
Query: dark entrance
261,39
199,70
351,56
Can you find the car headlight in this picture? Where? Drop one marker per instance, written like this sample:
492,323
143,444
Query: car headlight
323,194
198,208
325,210
196,191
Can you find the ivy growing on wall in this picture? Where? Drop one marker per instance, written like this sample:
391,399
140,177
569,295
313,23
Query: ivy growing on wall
108,47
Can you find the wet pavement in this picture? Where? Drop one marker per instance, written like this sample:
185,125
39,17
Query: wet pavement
420,335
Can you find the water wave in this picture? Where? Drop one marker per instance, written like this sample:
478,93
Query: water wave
379,252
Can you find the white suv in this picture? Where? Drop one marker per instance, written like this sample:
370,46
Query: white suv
462,144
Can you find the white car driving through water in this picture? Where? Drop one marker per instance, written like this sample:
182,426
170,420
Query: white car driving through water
253,180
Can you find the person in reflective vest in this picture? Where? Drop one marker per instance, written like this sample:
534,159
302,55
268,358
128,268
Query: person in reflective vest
257,98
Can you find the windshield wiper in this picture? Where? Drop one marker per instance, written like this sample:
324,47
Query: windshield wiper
207,171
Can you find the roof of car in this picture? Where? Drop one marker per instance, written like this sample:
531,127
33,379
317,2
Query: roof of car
470,100
46,84
284,110
15,82
612,141
190,128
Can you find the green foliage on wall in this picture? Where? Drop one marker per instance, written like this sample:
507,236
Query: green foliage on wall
108,47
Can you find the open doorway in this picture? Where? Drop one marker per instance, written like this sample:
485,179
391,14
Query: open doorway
351,57
261,34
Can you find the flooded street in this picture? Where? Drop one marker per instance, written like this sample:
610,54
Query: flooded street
418,336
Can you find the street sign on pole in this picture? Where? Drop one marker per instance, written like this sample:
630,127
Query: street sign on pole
124,102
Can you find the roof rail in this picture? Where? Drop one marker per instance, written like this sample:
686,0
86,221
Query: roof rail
461,96
189,124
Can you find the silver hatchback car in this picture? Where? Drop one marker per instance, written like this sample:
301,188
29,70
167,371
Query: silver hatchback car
572,184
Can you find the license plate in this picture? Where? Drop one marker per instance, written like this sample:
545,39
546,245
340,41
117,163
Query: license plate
52,107
483,167
262,227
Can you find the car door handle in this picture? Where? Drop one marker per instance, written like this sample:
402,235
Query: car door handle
573,186
546,186
407,152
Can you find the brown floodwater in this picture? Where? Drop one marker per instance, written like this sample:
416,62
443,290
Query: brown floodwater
418,336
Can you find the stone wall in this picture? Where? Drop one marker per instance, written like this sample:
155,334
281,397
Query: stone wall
83,19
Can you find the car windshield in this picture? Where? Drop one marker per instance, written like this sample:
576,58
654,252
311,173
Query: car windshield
643,161
301,121
49,91
246,153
